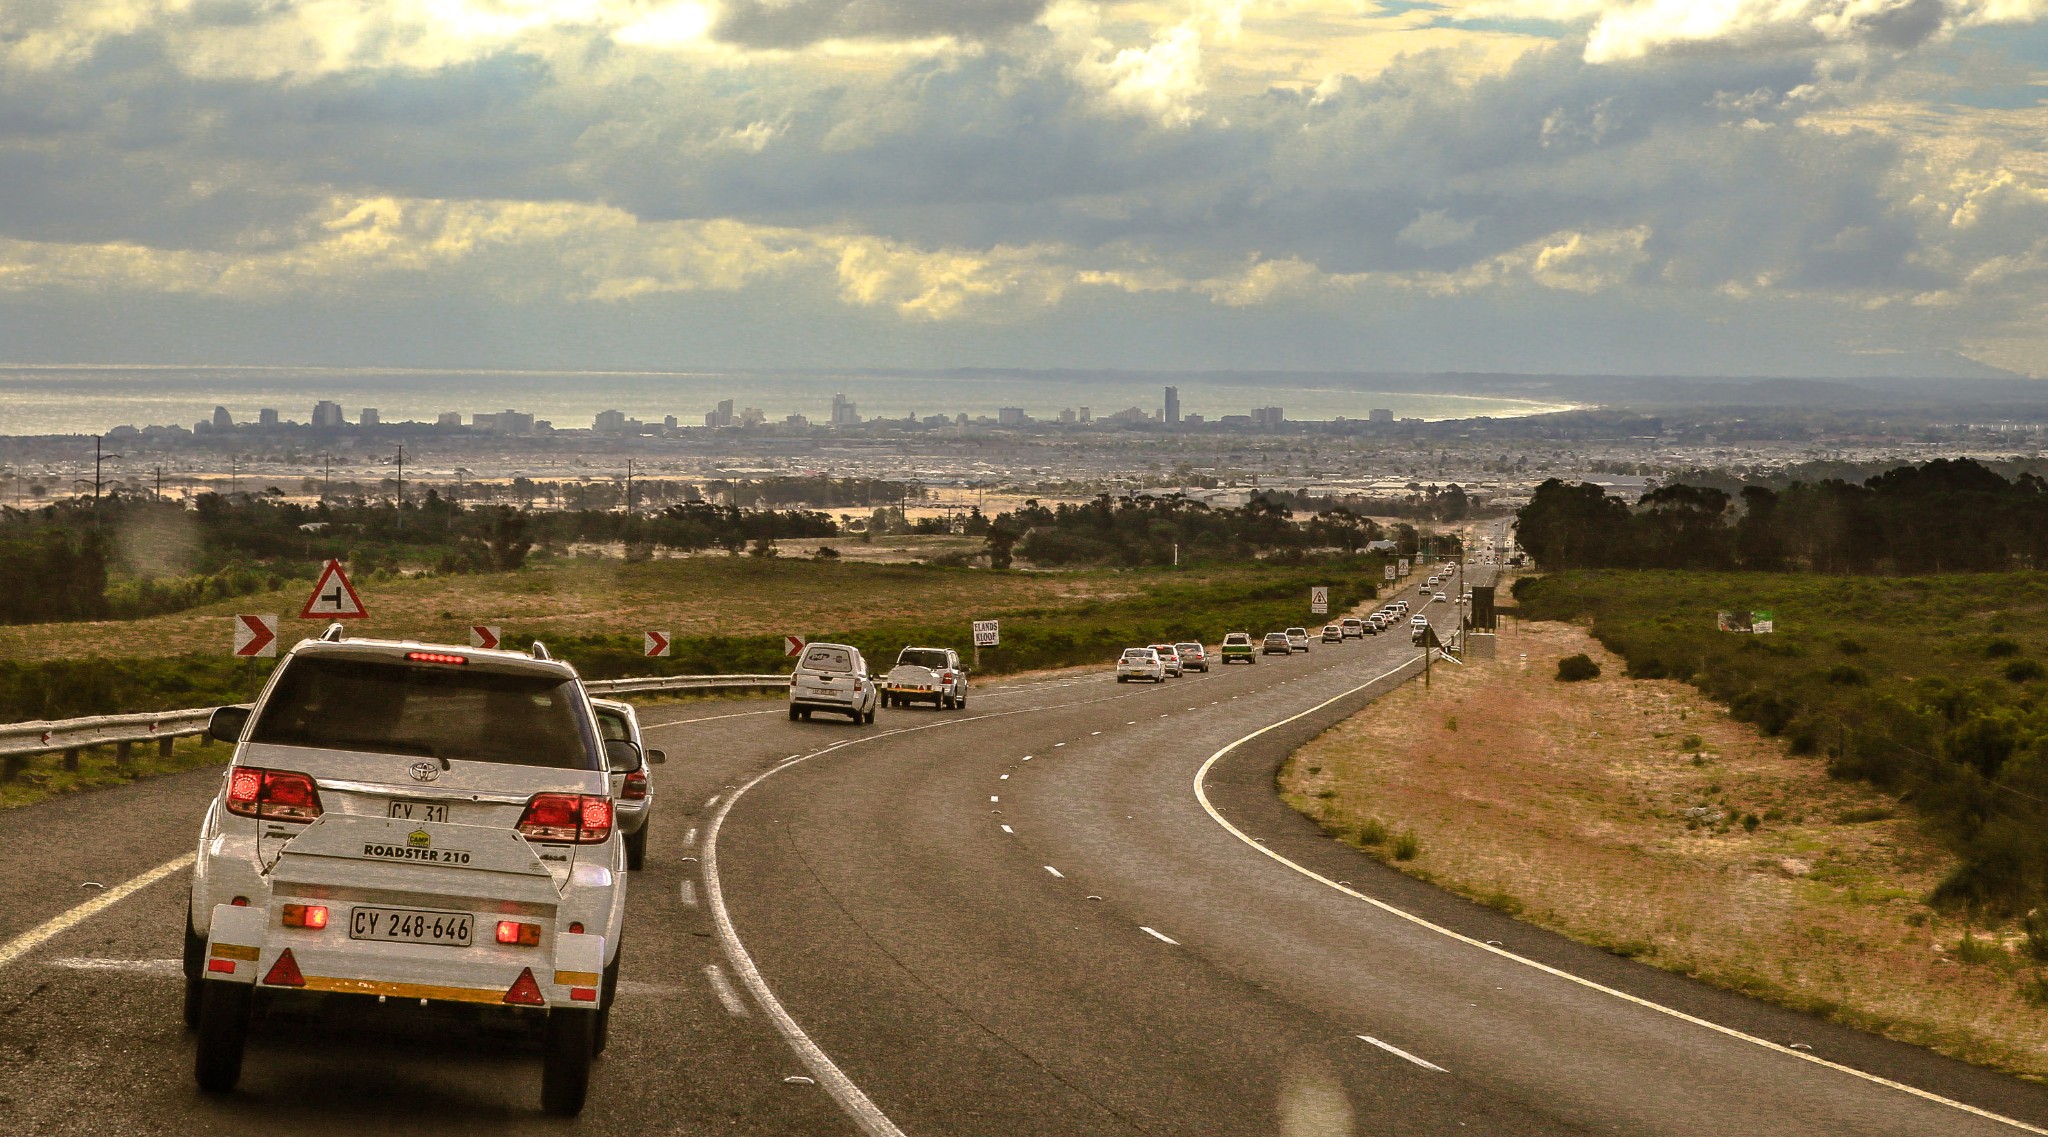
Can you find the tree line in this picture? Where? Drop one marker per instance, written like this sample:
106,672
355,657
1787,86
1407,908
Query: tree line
1947,515
1149,529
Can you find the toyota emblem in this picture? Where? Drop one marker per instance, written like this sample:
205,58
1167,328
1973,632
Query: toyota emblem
424,771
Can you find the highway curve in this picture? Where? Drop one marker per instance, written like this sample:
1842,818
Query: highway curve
1019,918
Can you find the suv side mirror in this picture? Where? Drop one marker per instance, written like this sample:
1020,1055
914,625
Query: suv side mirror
622,755
227,723
657,757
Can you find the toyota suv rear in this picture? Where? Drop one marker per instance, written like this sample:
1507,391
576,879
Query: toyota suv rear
411,821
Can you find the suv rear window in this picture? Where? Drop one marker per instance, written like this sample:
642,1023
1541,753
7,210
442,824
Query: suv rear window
428,711
923,657
828,659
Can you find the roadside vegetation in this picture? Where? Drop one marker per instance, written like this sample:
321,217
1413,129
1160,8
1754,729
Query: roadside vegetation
1638,816
1930,688
724,614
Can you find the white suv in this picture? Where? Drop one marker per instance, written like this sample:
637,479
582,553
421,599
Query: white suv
833,677
413,822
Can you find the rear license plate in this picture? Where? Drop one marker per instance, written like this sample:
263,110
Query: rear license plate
418,811
410,926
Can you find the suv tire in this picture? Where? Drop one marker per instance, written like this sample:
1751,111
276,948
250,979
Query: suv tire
195,966
569,1043
224,1010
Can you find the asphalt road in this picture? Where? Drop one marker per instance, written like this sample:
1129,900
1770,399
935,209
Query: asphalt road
1020,918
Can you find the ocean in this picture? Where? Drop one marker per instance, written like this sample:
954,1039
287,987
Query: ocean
91,400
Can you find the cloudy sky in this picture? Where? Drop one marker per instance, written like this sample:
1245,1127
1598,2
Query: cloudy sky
1811,187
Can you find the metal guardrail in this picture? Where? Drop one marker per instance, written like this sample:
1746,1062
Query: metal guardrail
685,683
22,741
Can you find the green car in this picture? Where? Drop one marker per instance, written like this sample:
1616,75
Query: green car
1237,648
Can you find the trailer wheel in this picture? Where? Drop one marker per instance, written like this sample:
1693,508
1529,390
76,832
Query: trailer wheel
223,1034
565,1060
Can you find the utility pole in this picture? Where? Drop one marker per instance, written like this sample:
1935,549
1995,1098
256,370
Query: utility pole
98,458
629,485
159,483
399,509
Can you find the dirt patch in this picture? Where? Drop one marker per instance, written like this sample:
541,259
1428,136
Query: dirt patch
1635,815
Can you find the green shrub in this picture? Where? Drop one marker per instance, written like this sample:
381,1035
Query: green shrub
1577,668
1844,675
1847,646
1864,814
1406,846
2001,648
2025,670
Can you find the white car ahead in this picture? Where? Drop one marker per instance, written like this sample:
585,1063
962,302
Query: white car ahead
1140,663
632,790
407,821
1297,639
833,677
926,674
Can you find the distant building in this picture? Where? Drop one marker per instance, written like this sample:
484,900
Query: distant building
1129,415
370,417
607,422
843,412
510,422
327,415
267,417
796,422
222,420
721,415
960,419
1087,415
1011,416
1268,416
753,416
1173,406
449,418
668,422
1377,415
1193,420
1235,420
936,421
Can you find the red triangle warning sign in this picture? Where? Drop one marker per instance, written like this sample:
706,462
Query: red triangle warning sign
334,598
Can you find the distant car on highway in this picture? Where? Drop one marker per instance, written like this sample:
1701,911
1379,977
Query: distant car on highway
1417,628
1140,663
1354,628
1438,598
1170,659
1237,648
1193,656
1277,643
1297,638
632,792
1333,634
833,677
926,674
412,822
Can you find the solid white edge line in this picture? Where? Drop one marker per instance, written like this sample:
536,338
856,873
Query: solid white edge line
33,938
1156,934
1202,796
1400,1053
722,987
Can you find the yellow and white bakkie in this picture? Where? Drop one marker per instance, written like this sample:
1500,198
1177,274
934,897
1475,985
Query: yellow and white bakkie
403,909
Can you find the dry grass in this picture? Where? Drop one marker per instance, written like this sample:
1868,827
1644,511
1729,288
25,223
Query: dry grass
1615,811
719,595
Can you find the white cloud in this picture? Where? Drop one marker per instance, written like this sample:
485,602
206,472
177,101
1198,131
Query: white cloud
1630,29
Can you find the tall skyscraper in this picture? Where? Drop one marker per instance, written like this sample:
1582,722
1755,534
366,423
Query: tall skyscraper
326,414
370,417
843,413
267,417
222,420
1173,406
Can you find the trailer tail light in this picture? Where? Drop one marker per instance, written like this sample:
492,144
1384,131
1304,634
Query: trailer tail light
524,991
519,934
224,966
576,819
635,788
575,927
305,916
285,972
272,795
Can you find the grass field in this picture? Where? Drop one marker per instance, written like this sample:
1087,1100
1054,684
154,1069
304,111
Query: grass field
708,595
1638,816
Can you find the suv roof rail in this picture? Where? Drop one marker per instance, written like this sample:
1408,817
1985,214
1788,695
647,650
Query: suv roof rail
539,650
333,633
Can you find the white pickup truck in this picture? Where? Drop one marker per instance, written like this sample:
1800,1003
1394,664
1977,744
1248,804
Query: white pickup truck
926,674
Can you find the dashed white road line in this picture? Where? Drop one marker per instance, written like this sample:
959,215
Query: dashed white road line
688,892
1056,872
722,987
712,800
689,839
1202,796
1156,934
993,797
1007,829
28,941
1400,1053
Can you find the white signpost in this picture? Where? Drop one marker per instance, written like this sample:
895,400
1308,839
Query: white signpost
655,645
256,637
1390,572
485,636
1404,566
987,633
1319,600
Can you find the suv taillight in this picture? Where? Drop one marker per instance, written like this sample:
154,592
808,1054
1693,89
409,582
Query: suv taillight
575,819
635,788
272,795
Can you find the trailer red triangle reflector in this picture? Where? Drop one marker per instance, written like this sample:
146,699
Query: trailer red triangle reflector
524,991
285,972
334,598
